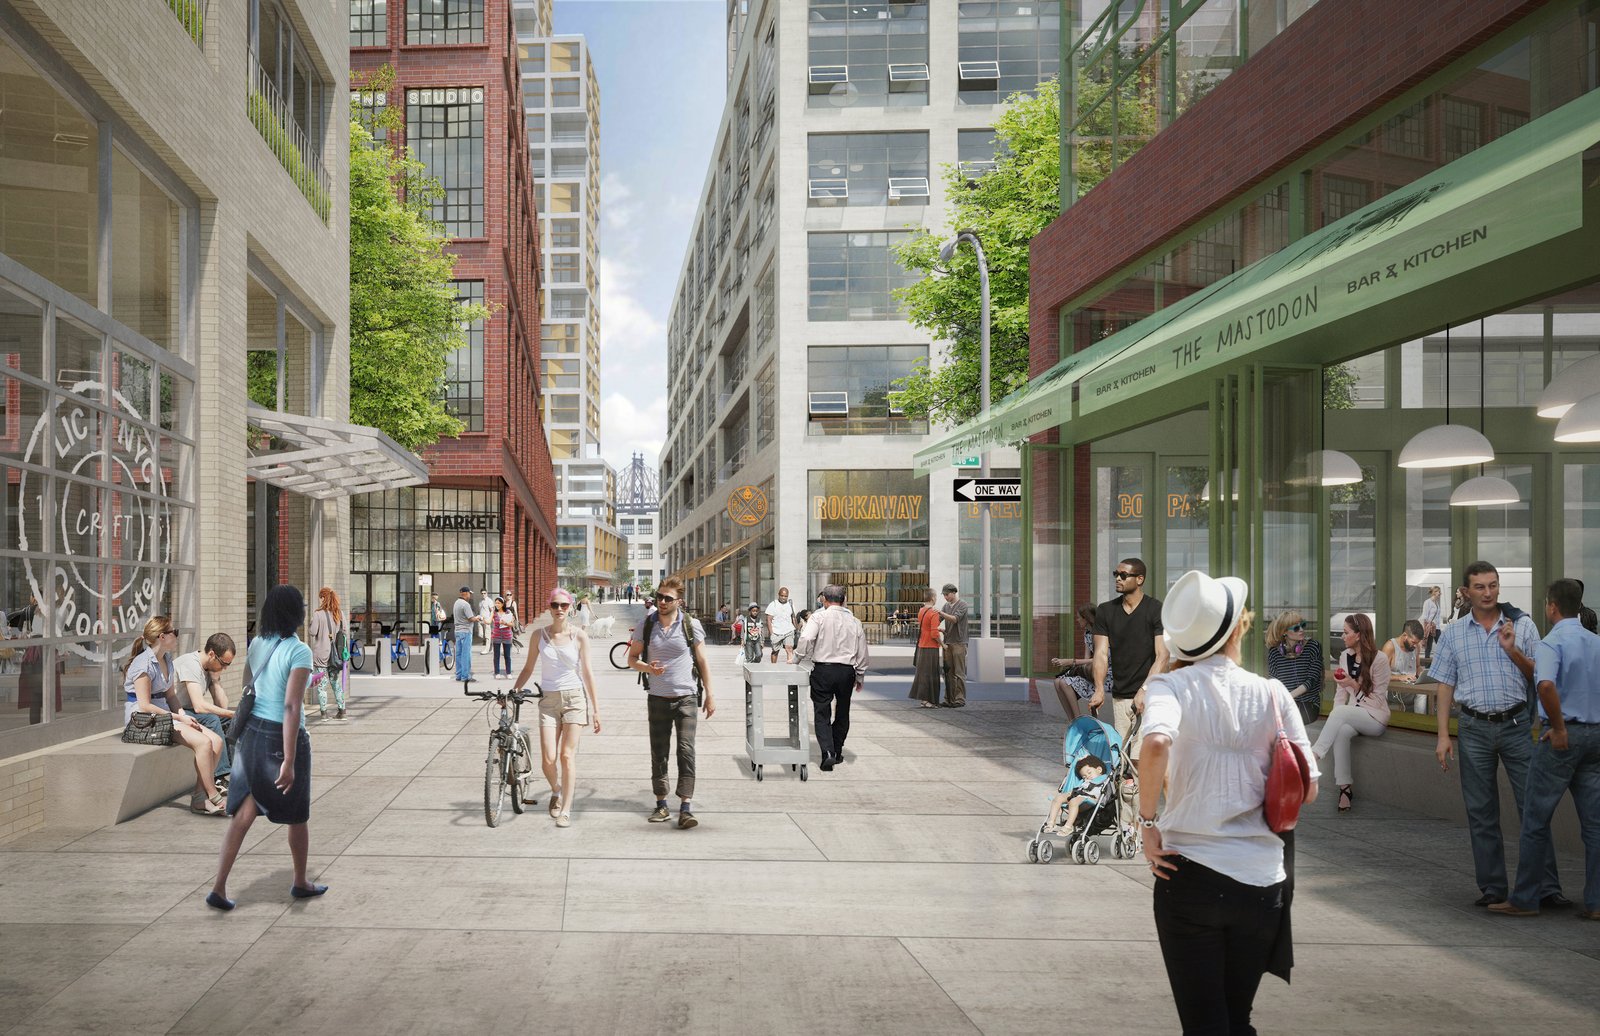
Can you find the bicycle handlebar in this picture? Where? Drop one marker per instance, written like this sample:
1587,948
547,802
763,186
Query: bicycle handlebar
515,694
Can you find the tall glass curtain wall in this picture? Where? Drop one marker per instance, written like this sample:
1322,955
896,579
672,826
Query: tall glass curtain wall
96,447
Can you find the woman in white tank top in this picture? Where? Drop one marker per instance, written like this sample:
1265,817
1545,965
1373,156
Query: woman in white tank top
568,705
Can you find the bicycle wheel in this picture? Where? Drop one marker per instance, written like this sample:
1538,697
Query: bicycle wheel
357,659
402,656
447,656
619,654
494,786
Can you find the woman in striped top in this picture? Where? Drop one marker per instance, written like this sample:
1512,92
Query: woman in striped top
1294,658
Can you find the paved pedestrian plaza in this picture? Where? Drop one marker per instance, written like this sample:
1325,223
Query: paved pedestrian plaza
891,895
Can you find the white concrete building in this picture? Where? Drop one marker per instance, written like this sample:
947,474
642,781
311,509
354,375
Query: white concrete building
785,463
561,103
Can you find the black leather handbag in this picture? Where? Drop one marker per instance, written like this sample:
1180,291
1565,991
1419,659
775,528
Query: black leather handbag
149,728
247,702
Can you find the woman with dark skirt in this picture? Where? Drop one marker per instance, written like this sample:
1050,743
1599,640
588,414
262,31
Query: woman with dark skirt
925,684
272,767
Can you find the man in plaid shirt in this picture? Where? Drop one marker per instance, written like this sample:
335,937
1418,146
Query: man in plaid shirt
1483,663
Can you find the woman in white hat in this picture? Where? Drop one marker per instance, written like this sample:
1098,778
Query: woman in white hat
1222,898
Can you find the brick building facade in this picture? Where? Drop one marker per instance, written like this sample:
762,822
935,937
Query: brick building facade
442,72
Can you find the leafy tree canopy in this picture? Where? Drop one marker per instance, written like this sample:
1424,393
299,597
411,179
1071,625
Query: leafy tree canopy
405,319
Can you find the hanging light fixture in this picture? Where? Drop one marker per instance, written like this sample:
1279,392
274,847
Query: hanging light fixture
1485,490
1581,423
1333,468
1578,381
1446,445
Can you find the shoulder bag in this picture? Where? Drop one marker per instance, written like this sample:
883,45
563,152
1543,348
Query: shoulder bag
1288,777
247,701
149,728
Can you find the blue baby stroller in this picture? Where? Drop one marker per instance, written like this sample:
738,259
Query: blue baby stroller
1089,746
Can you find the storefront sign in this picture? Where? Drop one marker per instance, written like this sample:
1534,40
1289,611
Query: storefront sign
93,527
747,505
464,522
866,508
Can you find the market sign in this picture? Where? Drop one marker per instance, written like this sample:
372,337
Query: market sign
487,522
1512,194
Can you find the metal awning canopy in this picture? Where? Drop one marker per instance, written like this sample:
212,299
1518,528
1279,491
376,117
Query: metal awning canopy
703,565
1509,196
326,459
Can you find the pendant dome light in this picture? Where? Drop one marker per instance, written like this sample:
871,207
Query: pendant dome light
1581,423
1578,381
1485,490
1446,445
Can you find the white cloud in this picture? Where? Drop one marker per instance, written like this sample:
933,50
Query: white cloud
628,428
616,209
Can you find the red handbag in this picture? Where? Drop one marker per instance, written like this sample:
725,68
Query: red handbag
1288,778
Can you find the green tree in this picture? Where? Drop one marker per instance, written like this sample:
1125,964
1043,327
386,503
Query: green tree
404,317
1007,207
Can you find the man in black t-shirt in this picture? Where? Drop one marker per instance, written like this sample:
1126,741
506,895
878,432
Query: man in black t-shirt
1127,638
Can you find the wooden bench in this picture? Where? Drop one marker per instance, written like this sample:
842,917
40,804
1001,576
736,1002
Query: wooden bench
100,782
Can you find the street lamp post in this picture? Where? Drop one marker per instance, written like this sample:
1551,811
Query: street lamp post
985,571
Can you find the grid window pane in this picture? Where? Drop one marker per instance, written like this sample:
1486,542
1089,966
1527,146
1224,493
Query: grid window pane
444,21
865,39
369,23
1019,41
852,276
862,164
866,374
445,130
464,370
369,104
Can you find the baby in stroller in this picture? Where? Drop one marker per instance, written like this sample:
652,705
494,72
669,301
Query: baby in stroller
1088,790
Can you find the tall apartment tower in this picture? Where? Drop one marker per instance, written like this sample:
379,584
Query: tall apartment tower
561,112
785,463
486,518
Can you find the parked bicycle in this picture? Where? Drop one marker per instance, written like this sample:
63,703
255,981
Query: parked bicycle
509,765
399,650
447,649
358,657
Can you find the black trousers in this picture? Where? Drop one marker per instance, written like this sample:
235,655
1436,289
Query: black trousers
1217,938
832,684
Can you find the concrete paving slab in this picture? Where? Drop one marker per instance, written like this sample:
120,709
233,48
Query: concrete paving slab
339,816
436,892
94,888
405,758
37,961
593,835
922,839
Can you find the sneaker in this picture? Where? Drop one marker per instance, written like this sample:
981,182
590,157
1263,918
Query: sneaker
564,820
660,815
686,820
339,714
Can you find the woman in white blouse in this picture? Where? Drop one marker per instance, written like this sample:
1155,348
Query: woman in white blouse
1222,898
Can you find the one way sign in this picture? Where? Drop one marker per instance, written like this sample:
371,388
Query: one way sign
969,489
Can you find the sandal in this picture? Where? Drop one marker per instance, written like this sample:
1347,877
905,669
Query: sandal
929,705
555,806
215,806
1346,796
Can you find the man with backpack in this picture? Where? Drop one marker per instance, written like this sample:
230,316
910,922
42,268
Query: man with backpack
667,648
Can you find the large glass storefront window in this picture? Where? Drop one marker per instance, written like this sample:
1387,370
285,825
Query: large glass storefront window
452,535
868,532
1005,557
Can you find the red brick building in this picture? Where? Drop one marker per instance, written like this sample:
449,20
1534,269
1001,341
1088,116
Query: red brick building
487,516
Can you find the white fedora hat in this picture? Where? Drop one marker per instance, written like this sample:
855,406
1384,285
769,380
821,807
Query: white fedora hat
1200,612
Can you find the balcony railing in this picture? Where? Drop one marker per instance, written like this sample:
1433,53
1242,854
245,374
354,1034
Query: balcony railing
288,141
192,16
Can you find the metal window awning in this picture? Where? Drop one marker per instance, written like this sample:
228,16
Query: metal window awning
1509,196
326,459
703,565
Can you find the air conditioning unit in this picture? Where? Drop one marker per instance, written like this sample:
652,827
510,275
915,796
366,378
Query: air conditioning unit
906,76
824,78
830,188
895,411
829,404
979,71
974,169
907,187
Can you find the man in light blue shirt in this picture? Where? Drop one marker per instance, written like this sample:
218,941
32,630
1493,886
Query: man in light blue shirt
1566,673
1483,664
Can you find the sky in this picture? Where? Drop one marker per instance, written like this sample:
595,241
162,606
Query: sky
662,68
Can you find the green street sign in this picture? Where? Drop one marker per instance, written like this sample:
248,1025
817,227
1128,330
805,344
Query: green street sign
974,461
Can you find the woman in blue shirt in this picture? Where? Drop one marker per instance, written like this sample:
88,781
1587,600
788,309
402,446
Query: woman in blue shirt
272,770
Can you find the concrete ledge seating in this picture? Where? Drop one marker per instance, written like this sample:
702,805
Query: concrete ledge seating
103,781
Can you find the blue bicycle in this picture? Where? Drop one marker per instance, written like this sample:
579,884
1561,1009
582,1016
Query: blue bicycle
447,650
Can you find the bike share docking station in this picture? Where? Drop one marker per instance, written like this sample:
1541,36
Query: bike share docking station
793,750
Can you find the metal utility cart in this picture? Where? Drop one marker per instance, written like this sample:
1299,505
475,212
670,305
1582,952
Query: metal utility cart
793,750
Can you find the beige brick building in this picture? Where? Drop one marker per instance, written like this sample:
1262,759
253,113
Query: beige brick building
173,198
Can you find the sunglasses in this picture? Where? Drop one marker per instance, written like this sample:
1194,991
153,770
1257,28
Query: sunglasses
560,605
1124,575
1297,627
665,597
174,631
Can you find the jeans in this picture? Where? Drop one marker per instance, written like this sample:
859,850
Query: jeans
955,674
464,655
832,684
218,726
1217,936
1482,746
1549,776
1344,723
502,649
667,715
